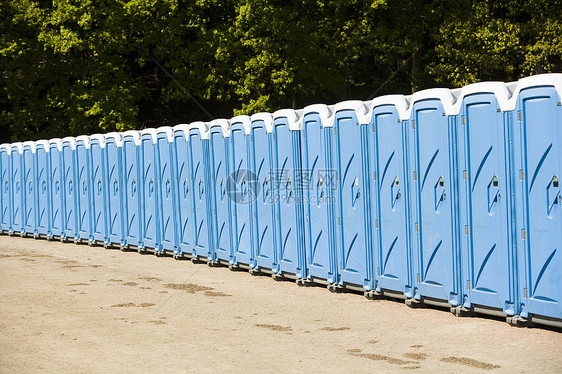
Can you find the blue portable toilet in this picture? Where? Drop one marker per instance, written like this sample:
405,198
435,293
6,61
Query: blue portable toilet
149,196
16,180
537,143
239,190
183,185
198,154
390,217
5,213
114,177
132,189
350,154
487,276
318,182
70,186
98,187
263,205
432,145
166,187
219,144
56,191
29,197
83,184
290,238
43,186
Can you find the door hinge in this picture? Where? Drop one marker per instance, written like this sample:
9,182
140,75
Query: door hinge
339,221
375,175
463,120
274,136
467,230
377,223
278,216
304,133
374,127
417,227
524,234
443,114
379,271
415,175
341,265
336,130
414,124
526,293
520,114
465,175
356,123
419,278
522,174
469,285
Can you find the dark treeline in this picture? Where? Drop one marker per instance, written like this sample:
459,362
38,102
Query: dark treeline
74,67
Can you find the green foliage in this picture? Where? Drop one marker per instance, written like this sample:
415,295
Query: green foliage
71,67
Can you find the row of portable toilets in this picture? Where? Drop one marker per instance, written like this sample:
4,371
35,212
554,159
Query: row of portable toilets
445,197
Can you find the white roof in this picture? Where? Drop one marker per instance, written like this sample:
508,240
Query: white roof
18,146
224,125
7,147
151,132
29,144
244,120
85,139
325,113
293,117
133,134
183,128
498,89
57,142
100,138
201,126
168,131
266,118
442,94
116,136
70,140
552,79
361,109
44,143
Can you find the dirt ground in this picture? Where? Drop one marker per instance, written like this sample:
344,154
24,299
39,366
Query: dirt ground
77,309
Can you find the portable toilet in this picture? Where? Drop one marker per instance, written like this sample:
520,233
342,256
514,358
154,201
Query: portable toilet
432,147
114,178
263,204
98,189
219,142
350,156
69,178
17,188
318,182
83,184
537,144
166,194
290,238
132,189
198,154
239,191
5,214
149,200
56,191
390,206
29,196
484,199
43,194
183,183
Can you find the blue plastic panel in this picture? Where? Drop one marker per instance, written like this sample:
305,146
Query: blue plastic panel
99,190
319,184
198,153
433,194
17,190
166,196
487,273
43,201
240,184
68,165
84,200
263,204
186,225
350,154
5,186
537,130
56,219
219,166
390,219
114,186
29,197
290,227
149,217
131,193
